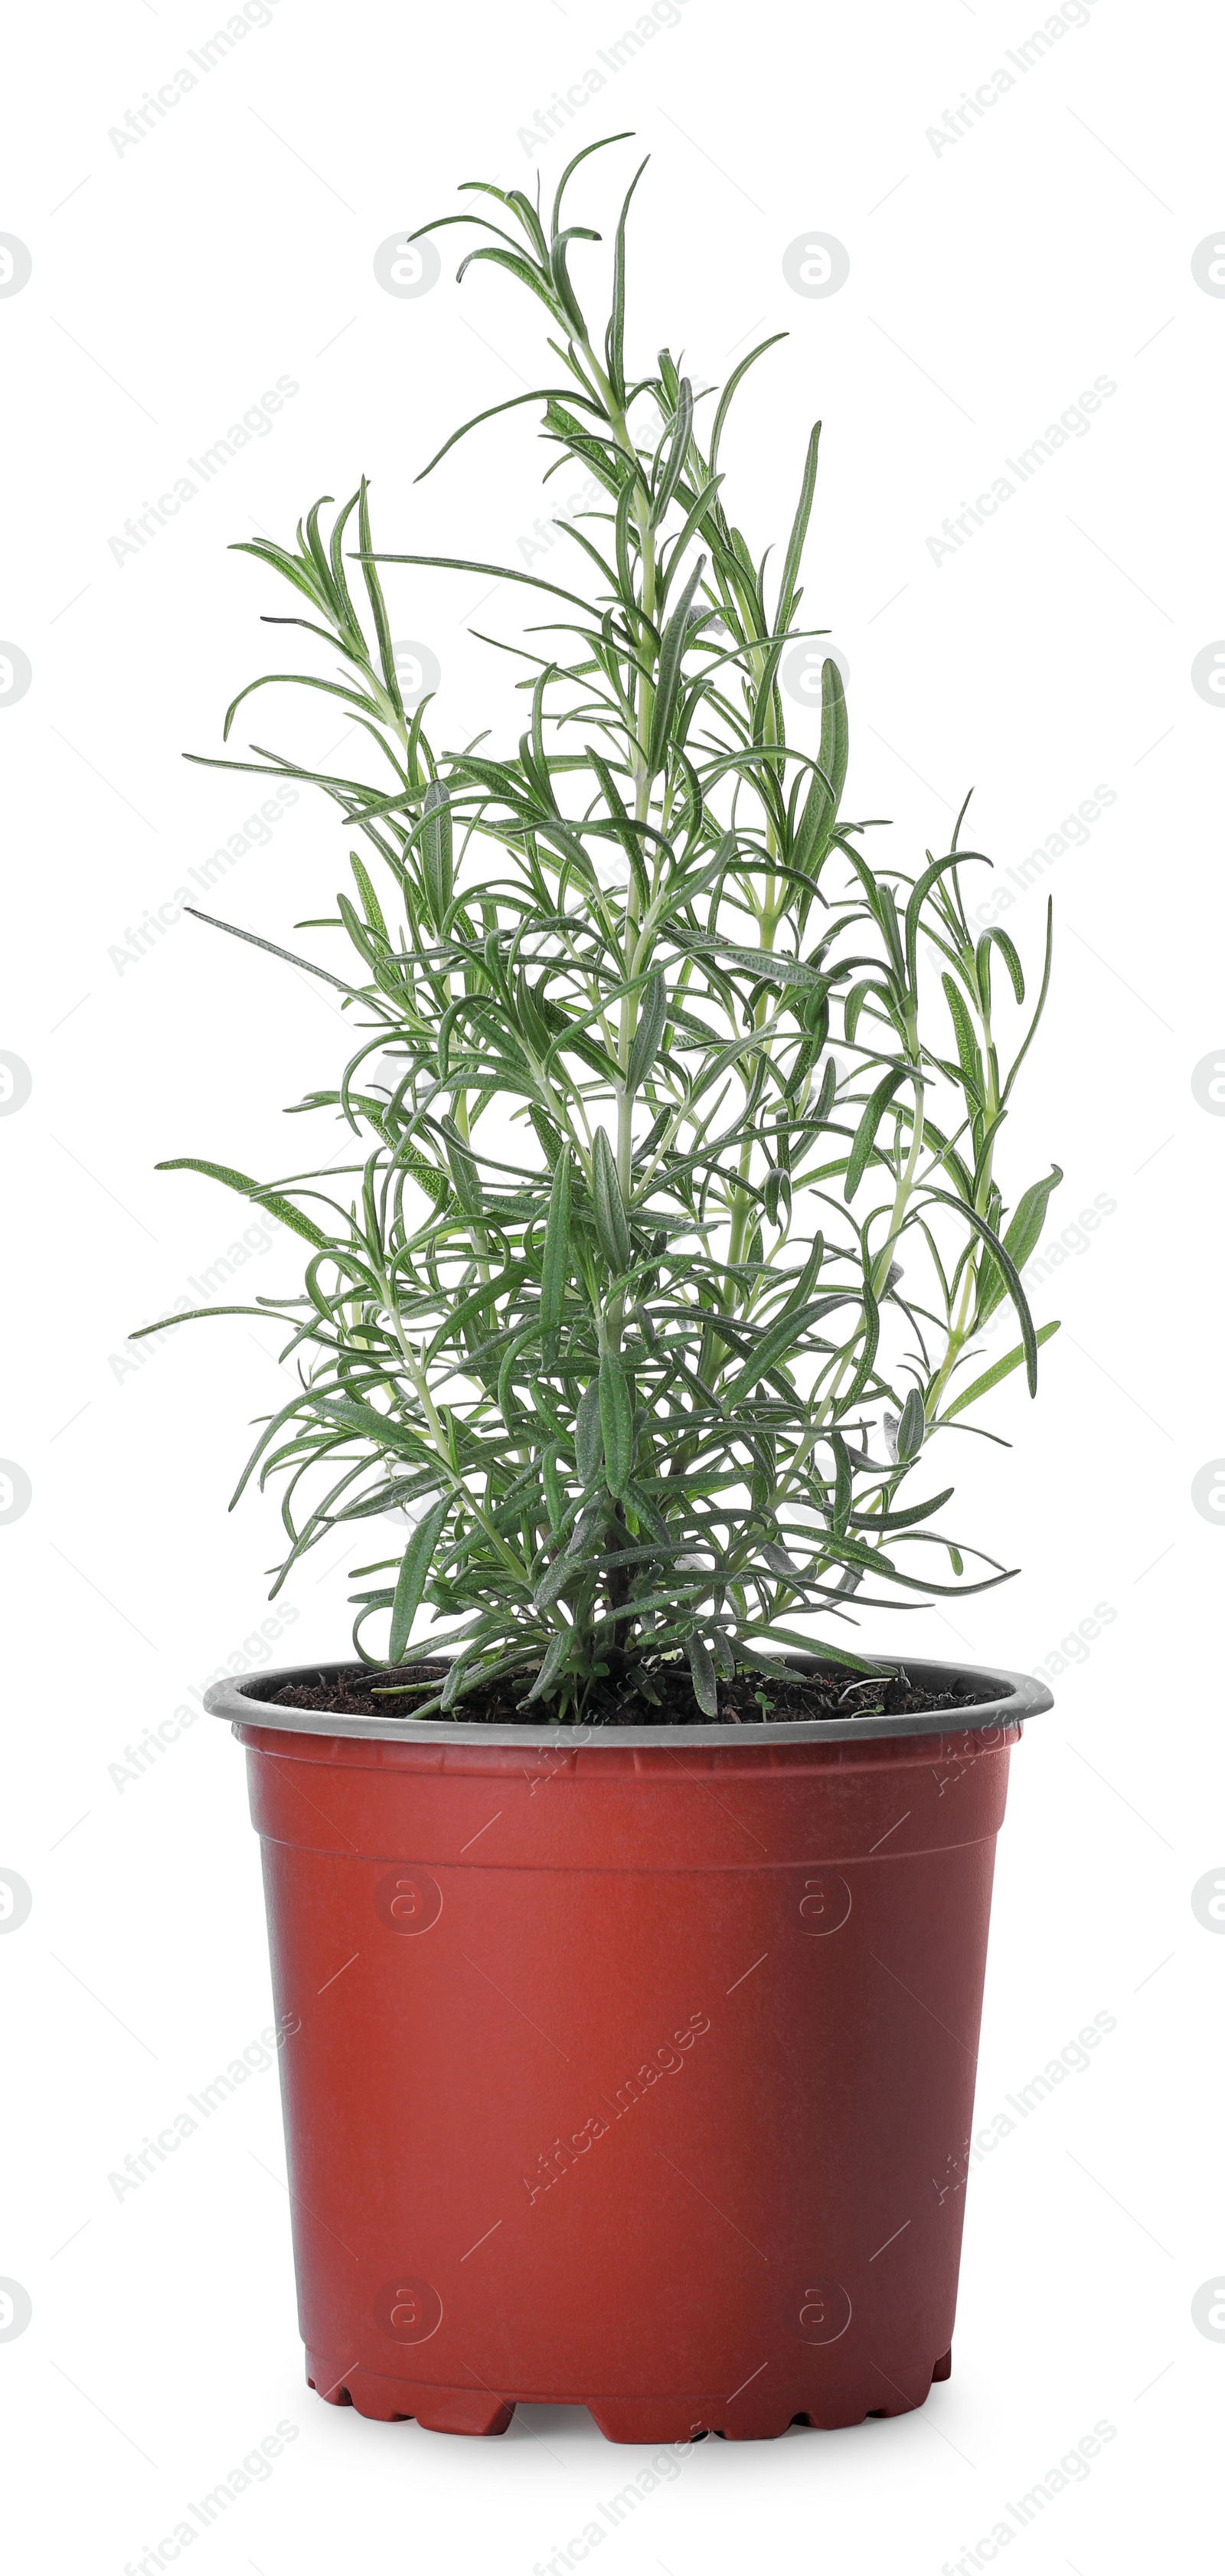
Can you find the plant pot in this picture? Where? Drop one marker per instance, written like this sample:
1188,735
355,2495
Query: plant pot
629,2069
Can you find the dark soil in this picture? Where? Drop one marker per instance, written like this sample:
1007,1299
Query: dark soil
751,1700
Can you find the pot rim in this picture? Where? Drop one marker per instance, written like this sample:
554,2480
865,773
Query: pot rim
1009,1699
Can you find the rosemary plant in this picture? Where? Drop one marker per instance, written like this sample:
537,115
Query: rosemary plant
669,1209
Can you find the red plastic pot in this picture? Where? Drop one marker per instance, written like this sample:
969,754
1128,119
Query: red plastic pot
633,2071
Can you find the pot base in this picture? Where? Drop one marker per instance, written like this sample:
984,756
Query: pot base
759,2417
402,2401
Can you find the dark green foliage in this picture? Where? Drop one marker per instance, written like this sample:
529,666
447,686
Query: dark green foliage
638,1297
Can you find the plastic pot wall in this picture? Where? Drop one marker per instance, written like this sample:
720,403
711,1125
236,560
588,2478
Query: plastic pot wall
633,2075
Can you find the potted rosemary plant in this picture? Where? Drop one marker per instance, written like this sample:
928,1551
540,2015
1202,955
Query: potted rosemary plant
645,1289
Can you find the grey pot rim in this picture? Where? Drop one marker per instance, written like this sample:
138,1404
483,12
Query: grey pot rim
1009,1698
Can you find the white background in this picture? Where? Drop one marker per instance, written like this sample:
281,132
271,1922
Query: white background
992,279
